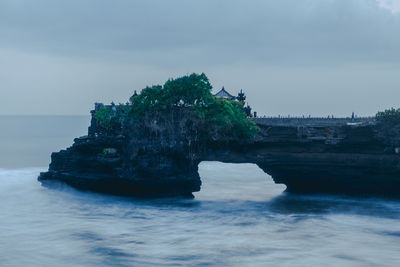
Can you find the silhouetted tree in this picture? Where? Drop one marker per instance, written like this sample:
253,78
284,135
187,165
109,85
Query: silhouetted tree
241,96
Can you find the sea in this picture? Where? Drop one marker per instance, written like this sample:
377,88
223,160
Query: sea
239,218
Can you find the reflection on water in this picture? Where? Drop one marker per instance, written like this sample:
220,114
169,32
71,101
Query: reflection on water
240,218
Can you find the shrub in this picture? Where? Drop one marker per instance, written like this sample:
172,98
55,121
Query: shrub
391,116
111,117
223,117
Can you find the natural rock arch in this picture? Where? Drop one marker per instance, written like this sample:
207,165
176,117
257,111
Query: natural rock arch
308,159
245,181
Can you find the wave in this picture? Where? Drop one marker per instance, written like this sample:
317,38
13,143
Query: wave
14,179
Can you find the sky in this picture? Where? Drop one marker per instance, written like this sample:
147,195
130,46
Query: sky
291,57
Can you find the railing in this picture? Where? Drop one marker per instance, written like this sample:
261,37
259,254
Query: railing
313,121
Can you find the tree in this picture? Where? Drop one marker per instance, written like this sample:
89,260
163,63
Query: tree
391,116
191,95
241,97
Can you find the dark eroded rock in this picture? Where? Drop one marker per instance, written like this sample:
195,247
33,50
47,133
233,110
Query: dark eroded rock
307,159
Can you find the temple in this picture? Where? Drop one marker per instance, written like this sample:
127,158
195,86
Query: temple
241,98
224,94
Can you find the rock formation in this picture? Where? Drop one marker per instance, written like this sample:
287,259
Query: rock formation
339,158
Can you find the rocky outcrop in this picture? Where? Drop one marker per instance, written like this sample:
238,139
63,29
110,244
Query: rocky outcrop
329,159
107,164
130,160
339,158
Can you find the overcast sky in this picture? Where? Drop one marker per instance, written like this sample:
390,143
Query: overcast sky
317,57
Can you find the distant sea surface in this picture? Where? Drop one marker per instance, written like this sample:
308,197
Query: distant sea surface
240,217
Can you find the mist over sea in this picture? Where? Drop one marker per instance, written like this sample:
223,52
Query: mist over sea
240,217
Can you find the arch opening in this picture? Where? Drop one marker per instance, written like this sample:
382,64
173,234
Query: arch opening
236,181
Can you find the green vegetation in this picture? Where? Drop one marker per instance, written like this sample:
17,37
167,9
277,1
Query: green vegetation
224,117
190,94
188,91
111,117
389,116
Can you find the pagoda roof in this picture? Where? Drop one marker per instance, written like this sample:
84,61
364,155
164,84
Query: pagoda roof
224,94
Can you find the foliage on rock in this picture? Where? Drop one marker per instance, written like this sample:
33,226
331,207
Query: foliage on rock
389,127
188,91
226,118
389,116
112,117
191,95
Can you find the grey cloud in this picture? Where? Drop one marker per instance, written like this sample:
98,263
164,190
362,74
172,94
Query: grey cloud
280,31
284,53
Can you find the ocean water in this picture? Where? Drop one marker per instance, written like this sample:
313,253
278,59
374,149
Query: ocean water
240,217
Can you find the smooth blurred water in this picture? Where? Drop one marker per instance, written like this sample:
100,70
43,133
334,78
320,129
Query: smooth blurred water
240,218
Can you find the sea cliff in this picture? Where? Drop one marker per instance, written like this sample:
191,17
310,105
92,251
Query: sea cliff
152,145
322,156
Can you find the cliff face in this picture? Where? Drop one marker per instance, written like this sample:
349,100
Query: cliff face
132,160
338,158
329,159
